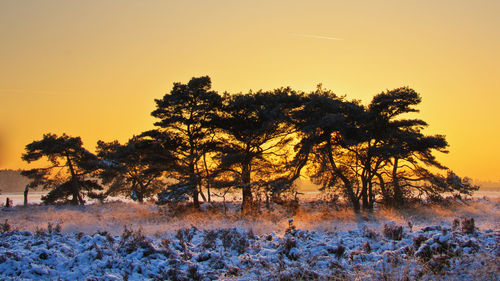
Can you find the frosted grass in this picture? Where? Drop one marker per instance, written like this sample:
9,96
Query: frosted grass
155,220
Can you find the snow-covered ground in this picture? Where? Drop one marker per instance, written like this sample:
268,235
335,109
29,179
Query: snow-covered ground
128,241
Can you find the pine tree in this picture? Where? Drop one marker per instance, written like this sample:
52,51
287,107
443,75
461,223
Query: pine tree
327,126
186,114
256,137
133,168
68,172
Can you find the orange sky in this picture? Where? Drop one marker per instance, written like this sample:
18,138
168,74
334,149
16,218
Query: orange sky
93,68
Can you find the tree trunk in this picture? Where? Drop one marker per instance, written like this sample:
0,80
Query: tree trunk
26,190
350,194
196,202
371,196
208,191
398,193
364,194
80,199
199,185
140,196
208,176
202,194
74,184
385,193
74,193
247,203
348,188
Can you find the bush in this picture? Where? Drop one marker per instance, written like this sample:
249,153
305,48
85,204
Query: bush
288,244
468,225
392,231
5,227
234,240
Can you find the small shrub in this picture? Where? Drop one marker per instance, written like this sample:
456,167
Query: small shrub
250,234
455,224
108,236
234,240
182,235
39,231
410,226
233,271
392,231
99,253
126,234
424,252
132,240
165,243
176,274
193,273
287,244
204,256
468,225
291,227
43,256
5,227
51,229
369,233
437,263
209,239
417,241
338,251
58,228
217,262
367,247
186,234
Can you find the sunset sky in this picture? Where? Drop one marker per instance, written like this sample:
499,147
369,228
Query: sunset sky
93,68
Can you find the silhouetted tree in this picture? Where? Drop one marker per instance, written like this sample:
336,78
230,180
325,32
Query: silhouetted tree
256,137
186,114
382,133
69,169
408,151
328,124
362,148
135,168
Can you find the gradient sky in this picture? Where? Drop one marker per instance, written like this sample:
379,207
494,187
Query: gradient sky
93,68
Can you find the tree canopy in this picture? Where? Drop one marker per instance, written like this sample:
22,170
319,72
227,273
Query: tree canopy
186,114
69,169
258,141
256,137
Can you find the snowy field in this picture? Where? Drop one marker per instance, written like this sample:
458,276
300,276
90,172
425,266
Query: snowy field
129,241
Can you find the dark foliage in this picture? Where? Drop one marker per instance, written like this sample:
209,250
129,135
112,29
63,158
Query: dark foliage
256,138
68,174
134,169
186,114
259,143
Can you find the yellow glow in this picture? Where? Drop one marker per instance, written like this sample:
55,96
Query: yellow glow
93,68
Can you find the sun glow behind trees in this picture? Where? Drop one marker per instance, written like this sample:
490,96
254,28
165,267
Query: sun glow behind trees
94,69
367,153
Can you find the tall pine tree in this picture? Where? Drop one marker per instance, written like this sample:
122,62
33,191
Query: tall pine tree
186,114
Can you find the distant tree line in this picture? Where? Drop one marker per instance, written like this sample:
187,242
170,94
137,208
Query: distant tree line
253,141
12,181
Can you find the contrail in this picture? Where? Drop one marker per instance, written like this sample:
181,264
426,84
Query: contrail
315,36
